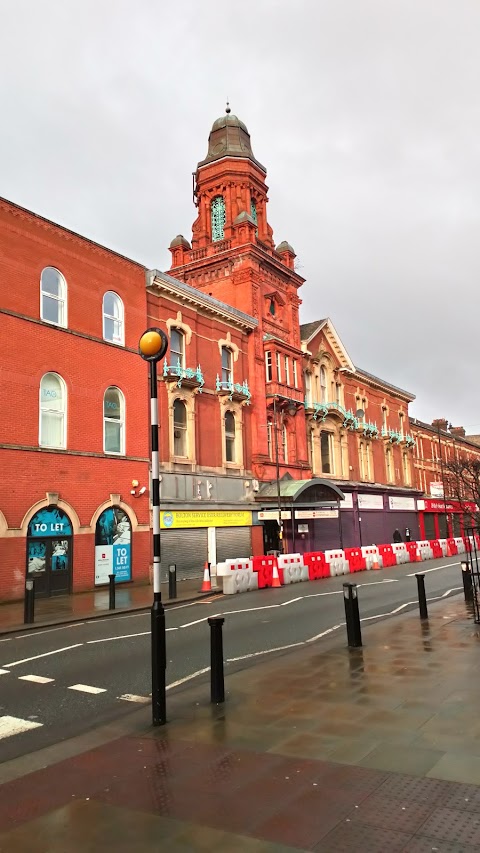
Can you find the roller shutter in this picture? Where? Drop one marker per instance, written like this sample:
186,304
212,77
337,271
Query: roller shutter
233,542
187,549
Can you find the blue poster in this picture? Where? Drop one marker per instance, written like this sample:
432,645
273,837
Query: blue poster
113,538
50,521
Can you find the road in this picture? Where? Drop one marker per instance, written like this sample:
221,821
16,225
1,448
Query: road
60,682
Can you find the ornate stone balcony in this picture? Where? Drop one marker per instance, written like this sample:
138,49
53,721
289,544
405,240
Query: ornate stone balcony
234,390
183,376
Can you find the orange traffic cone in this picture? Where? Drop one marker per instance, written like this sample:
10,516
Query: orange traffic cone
418,556
275,577
375,564
207,584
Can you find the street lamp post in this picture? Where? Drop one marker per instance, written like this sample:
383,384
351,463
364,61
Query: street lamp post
152,347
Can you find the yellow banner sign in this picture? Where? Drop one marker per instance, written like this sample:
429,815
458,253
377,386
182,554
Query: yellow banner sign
174,519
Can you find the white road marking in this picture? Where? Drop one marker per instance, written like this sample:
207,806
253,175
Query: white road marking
292,601
422,571
15,726
187,678
131,697
375,583
266,652
197,622
86,688
32,634
324,633
4,671
121,637
38,679
5,640
44,655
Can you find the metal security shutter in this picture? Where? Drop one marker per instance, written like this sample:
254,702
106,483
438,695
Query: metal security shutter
233,542
187,549
429,521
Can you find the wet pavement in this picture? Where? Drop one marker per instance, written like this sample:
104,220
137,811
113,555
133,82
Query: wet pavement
88,605
318,749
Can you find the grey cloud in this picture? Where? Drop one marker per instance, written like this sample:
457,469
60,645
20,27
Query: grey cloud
366,115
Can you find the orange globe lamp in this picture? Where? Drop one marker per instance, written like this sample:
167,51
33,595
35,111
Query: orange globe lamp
153,345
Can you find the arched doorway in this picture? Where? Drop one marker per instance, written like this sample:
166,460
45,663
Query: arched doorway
49,551
113,546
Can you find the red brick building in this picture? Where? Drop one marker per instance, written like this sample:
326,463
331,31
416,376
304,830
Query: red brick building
74,434
255,409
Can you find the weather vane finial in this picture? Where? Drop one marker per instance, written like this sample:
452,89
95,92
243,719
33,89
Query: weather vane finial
227,108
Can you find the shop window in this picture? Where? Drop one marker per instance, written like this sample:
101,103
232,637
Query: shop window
229,437
179,428
218,218
113,318
53,297
177,348
114,421
53,405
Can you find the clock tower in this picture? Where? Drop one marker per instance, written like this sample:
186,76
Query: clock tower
232,257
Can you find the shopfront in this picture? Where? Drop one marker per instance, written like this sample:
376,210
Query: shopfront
50,552
189,538
440,519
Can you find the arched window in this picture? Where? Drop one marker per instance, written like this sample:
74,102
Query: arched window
388,464
229,437
361,456
114,421
323,385
179,428
218,217
113,325
53,297
177,348
53,406
227,366
325,452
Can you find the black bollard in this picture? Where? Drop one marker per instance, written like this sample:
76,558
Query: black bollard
422,598
111,592
352,615
29,603
172,581
217,684
467,582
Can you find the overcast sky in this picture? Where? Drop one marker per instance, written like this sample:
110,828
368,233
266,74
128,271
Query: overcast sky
366,114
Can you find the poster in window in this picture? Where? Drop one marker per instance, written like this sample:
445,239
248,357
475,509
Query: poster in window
36,558
113,546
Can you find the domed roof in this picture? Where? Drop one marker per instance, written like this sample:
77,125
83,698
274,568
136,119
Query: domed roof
229,137
180,240
284,247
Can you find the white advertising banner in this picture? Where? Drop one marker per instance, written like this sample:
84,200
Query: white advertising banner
370,501
402,503
316,513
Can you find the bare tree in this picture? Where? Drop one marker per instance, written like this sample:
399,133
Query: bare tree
462,482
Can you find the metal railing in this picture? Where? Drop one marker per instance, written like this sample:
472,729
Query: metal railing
180,373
